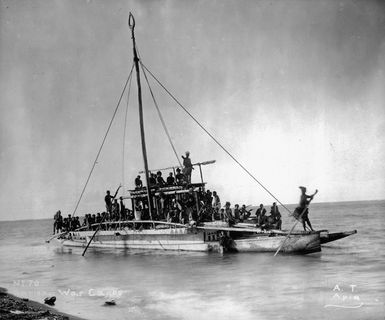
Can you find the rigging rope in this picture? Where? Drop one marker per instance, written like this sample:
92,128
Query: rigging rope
214,139
104,139
160,116
124,132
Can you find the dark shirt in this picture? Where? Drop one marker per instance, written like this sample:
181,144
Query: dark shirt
108,199
170,180
304,201
138,183
152,180
160,180
275,213
180,178
189,201
259,211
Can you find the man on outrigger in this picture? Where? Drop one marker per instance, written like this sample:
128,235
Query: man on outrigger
301,212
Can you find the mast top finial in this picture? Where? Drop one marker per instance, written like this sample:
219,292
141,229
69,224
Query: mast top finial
131,21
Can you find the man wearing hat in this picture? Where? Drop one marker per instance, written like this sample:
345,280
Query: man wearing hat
187,167
302,211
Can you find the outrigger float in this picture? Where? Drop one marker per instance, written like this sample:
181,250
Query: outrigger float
151,234
326,236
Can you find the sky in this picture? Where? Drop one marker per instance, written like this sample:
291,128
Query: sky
293,89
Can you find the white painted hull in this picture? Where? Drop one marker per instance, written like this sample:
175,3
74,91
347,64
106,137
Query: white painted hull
192,239
167,239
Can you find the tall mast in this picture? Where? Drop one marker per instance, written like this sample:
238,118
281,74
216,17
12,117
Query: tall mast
131,23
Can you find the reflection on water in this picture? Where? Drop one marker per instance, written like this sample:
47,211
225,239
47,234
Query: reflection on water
344,281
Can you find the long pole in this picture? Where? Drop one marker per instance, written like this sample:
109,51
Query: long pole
131,23
291,230
92,238
298,219
200,170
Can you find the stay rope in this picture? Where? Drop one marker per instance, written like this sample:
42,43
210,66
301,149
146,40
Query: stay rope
104,140
159,112
214,139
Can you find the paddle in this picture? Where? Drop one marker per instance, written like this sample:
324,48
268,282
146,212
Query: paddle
291,230
100,224
92,238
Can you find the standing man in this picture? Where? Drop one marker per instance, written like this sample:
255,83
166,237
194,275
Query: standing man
216,204
301,213
187,167
229,214
274,212
108,199
260,211
58,221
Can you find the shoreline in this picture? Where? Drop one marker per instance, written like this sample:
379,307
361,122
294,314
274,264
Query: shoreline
13,307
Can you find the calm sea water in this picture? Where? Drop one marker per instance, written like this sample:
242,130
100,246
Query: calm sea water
345,281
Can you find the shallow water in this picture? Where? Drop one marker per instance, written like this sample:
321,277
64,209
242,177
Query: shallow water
345,281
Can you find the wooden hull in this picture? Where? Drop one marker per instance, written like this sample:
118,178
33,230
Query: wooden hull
167,239
297,244
150,235
329,237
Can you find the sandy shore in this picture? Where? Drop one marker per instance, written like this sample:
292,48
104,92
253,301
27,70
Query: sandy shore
12,307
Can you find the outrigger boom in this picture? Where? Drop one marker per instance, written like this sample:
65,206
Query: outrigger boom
178,166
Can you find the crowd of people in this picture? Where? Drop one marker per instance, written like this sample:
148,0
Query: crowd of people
65,223
199,207
181,177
